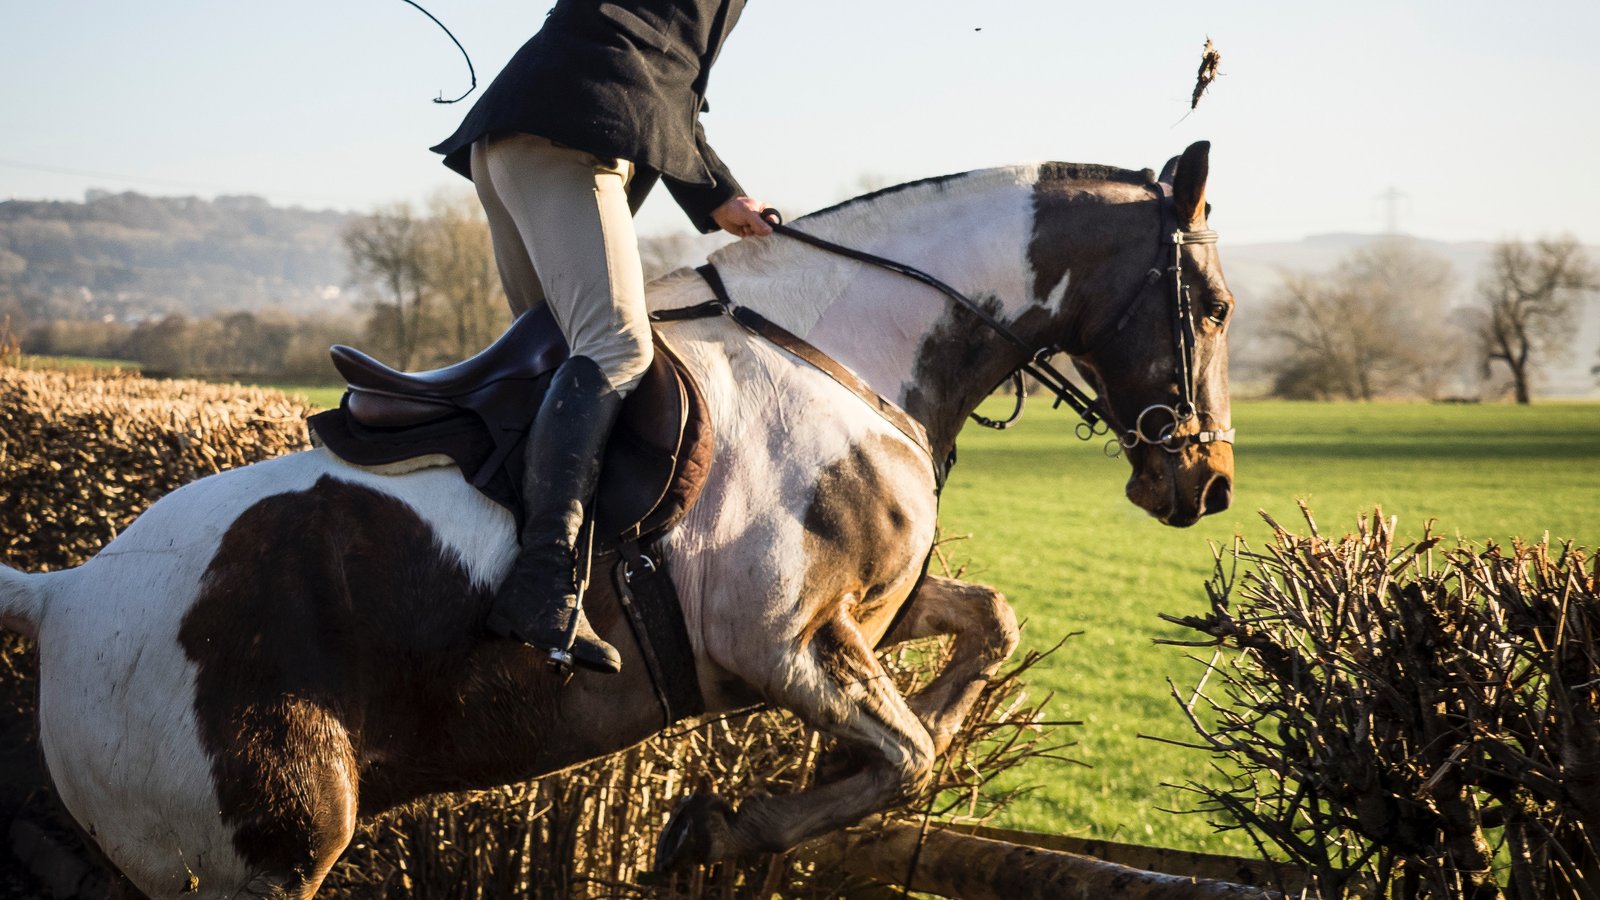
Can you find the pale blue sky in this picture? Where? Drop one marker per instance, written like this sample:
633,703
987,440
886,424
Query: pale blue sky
1482,113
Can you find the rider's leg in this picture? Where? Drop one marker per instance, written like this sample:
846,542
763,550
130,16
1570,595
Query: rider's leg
563,234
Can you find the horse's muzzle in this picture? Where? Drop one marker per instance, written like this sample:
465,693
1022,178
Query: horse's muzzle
1181,488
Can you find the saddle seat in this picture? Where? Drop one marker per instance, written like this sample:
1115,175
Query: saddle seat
477,413
531,347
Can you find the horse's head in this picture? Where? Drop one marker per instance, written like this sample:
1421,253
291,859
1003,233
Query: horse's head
1147,323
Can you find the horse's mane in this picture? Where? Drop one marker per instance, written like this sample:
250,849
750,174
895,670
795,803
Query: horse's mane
1065,171
874,196
763,273
857,218
1048,172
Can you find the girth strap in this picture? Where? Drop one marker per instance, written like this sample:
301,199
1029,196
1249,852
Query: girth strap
650,601
761,326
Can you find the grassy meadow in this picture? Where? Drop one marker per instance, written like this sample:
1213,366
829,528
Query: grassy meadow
73,363
1042,517
320,397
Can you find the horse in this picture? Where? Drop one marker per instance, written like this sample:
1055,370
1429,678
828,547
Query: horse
271,653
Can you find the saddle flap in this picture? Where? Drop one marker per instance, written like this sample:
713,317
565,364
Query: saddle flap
659,455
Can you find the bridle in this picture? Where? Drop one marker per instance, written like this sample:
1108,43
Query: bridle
1184,342
1095,412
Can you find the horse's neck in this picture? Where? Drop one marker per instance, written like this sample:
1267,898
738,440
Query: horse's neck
904,338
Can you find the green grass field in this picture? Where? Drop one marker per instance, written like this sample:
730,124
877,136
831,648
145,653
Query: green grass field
70,363
318,396
1048,524
1041,516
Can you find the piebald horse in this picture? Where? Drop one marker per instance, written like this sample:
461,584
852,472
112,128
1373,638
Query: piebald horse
271,653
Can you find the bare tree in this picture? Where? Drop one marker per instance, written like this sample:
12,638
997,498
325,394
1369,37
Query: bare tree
1373,327
386,249
165,346
438,291
459,267
247,345
1527,304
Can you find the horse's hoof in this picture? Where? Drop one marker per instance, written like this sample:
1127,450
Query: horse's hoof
838,763
697,832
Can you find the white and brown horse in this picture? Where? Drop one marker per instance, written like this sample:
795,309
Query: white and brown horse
271,653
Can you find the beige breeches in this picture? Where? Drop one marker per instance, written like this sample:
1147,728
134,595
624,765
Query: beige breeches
563,235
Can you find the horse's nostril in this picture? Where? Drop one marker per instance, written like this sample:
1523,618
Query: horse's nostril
1218,496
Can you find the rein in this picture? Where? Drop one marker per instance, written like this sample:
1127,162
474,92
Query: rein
1094,412
1038,365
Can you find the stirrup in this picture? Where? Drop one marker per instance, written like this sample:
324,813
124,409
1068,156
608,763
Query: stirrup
559,661
562,661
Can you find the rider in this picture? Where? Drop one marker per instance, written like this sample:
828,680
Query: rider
601,103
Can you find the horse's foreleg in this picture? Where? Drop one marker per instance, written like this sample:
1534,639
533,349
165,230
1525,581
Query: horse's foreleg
985,631
835,683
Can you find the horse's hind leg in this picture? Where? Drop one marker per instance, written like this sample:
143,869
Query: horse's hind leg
836,683
985,632
289,788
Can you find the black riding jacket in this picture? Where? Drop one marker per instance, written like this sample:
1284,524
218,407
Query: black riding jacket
624,80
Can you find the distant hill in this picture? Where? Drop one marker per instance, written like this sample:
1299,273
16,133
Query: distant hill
131,257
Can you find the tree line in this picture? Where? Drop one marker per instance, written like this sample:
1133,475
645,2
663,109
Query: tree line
132,256
267,347
1382,324
431,277
428,294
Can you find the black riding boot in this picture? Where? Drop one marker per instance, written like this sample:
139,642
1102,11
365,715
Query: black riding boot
540,602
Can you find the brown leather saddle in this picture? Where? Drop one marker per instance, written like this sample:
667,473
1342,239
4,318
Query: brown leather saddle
477,413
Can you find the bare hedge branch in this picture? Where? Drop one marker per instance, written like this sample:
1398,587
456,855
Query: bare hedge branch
1407,721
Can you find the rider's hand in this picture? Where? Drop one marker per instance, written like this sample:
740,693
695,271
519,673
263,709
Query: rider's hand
741,217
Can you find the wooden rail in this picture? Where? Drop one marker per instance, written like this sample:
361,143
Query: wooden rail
991,864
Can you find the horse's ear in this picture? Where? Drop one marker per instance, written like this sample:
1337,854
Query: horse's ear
1189,183
1168,170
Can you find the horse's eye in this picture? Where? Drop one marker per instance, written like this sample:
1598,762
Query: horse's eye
1219,312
